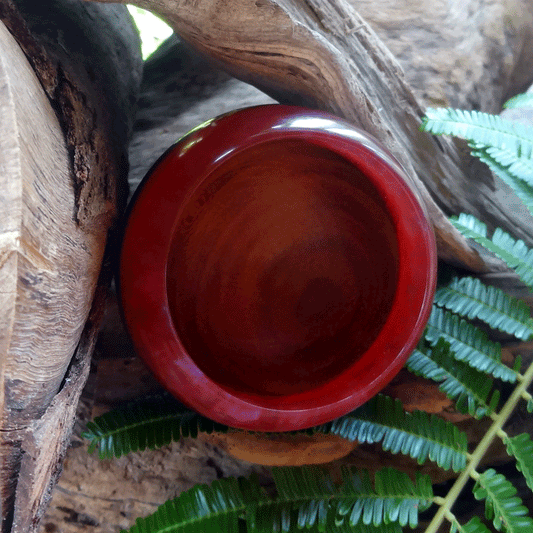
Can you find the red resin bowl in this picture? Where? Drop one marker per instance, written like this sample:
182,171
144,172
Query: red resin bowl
276,270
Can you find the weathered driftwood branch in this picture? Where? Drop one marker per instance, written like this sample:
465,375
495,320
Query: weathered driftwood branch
321,53
63,161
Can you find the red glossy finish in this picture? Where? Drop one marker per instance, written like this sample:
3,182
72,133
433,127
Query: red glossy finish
276,270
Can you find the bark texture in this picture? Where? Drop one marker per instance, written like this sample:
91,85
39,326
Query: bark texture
63,179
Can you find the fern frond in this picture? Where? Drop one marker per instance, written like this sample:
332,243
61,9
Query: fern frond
306,498
467,343
521,448
307,490
520,167
395,498
514,252
417,434
148,423
520,100
158,421
502,506
470,298
201,509
480,128
475,525
470,388
522,188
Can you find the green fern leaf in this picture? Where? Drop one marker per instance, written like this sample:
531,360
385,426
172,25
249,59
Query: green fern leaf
530,406
470,388
395,498
468,343
520,167
522,188
148,423
520,100
480,128
514,253
475,525
521,448
417,434
470,298
202,509
502,506
307,490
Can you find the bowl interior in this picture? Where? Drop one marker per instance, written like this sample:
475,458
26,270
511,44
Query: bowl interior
282,268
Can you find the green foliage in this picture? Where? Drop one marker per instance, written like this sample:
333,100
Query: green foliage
514,252
523,189
472,526
148,423
395,497
472,390
520,100
159,420
306,498
467,343
416,434
470,298
480,129
521,448
502,506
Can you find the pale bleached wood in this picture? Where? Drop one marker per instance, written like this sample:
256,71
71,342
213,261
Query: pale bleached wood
52,265
62,154
322,53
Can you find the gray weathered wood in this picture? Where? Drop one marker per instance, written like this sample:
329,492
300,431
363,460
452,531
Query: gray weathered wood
322,53
66,117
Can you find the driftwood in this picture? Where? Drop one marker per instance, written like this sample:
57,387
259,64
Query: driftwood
63,161
325,55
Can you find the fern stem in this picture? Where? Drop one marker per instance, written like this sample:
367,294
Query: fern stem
474,474
526,396
502,434
438,500
479,452
520,377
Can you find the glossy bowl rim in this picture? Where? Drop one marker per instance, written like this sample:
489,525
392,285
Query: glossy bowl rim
151,327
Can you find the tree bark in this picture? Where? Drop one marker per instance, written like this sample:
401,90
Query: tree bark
64,164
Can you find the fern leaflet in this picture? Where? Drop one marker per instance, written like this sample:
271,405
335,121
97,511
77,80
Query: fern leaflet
470,298
514,252
467,343
520,167
480,128
475,525
383,419
523,190
520,100
149,423
502,506
395,497
202,509
306,498
468,387
521,448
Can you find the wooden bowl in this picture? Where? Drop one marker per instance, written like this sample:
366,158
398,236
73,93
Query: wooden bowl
276,270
